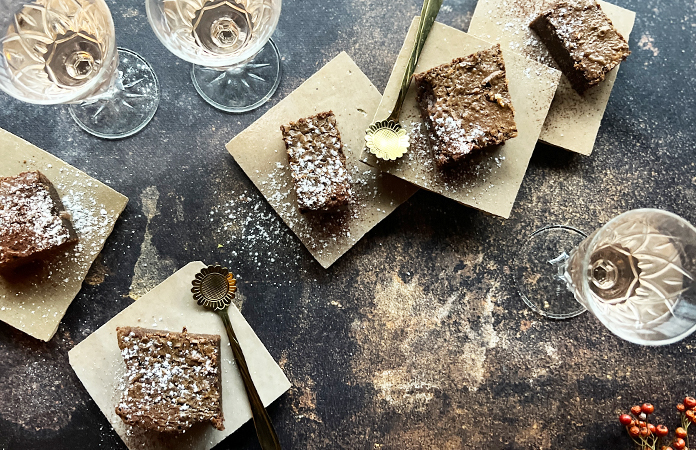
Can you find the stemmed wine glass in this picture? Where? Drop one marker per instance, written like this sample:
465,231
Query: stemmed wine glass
236,66
635,274
64,51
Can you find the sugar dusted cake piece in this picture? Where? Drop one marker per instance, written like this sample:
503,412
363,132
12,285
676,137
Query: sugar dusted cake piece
582,40
317,163
33,222
172,379
466,105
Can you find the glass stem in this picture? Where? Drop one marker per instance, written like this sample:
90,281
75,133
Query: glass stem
560,264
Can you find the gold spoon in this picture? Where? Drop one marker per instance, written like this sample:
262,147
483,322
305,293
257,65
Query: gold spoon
214,288
387,139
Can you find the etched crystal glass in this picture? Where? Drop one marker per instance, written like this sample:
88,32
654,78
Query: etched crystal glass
635,274
236,65
64,51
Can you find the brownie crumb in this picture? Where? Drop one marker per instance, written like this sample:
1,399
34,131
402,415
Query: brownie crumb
172,380
582,40
466,105
33,221
317,163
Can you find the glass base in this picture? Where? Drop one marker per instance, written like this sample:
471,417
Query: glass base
241,88
127,107
539,270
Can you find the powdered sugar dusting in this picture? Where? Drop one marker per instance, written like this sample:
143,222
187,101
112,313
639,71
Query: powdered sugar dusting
473,179
512,18
452,133
247,231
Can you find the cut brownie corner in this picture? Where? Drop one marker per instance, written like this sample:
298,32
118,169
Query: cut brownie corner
33,222
582,40
317,163
466,105
190,365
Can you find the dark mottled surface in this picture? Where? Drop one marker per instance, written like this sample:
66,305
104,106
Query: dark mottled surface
414,339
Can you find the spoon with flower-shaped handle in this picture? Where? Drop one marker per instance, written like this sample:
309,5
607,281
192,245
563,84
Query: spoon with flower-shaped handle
387,139
214,288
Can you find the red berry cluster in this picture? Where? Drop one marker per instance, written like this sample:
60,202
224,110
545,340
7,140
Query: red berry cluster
638,425
687,413
648,436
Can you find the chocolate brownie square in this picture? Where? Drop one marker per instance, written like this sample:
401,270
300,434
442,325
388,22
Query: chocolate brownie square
317,163
582,40
33,222
172,379
466,105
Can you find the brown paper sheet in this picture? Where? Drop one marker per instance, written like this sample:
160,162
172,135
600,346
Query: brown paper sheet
170,306
34,298
259,150
491,179
574,120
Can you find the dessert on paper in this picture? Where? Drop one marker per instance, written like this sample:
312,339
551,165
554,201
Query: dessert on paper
573,120
34,297
98,363
489,179
260,151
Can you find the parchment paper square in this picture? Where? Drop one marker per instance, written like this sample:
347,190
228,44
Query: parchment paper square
574,120
34,298
259,150
490,180
98,363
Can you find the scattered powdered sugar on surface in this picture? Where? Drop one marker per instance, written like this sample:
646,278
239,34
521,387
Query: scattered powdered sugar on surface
256,233
252,232
469,177
320,231
90,218
91,221
513,19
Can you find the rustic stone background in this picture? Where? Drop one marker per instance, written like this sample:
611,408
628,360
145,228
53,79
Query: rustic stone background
416,338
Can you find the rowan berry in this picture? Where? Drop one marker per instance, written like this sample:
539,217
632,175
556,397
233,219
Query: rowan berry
625,420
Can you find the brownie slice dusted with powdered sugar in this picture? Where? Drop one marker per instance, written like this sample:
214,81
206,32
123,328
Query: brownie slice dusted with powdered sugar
33,222
466,105
172,380
317,163
582,40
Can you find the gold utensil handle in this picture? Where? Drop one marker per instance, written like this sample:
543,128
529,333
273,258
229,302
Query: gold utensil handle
427,18
262,422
